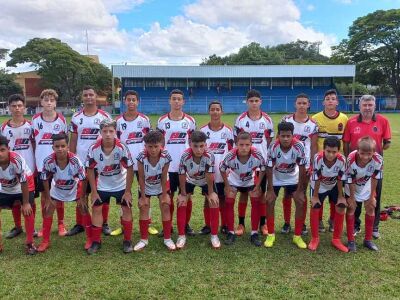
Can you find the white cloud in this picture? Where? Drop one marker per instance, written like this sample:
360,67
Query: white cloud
310,7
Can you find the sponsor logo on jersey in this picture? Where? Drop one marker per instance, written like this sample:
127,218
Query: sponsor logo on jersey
285,168
46,139
65,184
198,175
111,170
134,138
256,137
246,176
153,180
21,144
328,180
300,137
217,148
8,182
90,133
177,138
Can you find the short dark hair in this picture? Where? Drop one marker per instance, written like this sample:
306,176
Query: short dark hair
332,141
154,137
176,91
244,136
285,126
131,92
198,136
253,93
303,95
60,136
15,98
89,87
214,102
330,92
3,141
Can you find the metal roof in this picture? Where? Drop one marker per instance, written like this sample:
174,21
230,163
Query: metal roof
246,71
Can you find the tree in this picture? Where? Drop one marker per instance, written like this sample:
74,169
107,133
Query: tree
7,84
374,45
62,68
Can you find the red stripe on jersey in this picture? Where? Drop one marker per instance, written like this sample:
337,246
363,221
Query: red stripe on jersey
102,112
243,115
189,117
163,117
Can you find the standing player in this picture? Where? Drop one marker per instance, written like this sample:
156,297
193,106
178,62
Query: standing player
114,164
85,128
305,130
219,142
17,185
196,168
19,133
238,171
259,125
286,169
330,122
177,128
153,163
45,124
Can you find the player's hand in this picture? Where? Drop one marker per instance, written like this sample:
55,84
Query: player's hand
82,202
213,199
315,201
270,196
127,197
143,200
372,200
48,203
94,196
182,199
341,202
27,209
165,198
229,192
299,196
256,191
351,203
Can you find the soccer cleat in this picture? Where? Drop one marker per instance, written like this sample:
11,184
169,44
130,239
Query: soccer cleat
286,228
370,245
16,231
205,230
304,230
152,230
140,245
270,240
43,246
313,245
375,234
31,249
223,229
170,244
351,245
106,229
215,243
298,241
230,238
240,230
357,230
264,229
96,246
75,230
127,246
321,226
117,231
181,241
255,240
62,231
330,222
337,243
189,230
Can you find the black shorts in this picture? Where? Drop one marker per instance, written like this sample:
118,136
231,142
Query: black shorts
289,189
105,198
263,184
220,188
190,188
137,175
244,189
332,195
173,181
8,200
39,185
148,196
36,180
88,188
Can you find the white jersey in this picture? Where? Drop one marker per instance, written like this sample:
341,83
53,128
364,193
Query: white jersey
88,130
286,164
131,133
17,172
111,168
361,177
65,185
219,143
260,130
153,174
242,174
327,176
21,140
177,134
303,131
43,132
196,172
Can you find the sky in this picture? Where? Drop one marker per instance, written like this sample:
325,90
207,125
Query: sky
178,32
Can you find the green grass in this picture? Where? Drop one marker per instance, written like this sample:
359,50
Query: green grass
240,271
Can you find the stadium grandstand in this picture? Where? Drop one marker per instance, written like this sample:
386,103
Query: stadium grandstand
278,84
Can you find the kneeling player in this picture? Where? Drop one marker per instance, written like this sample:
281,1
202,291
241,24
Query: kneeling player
242,162
364,168
286,169
196,168
66,173
153,164
328,174
115,174
17,185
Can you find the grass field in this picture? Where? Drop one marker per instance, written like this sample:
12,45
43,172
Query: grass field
240,271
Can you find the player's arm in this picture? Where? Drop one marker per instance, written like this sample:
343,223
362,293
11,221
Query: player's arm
270,196
142,184
299,193
26,206
73,142
212,196
341,200
346,148
315,203
92,181
386,144
314,147
164,177
128,189
352,199
46,193
374,183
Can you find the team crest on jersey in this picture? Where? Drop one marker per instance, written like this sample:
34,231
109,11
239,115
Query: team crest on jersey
293,155
375,129
116,156
357,130
340,127
139,124
70,172
185,125
97,121
56,127
11,171
336,169
307,129
370,168
262,126
250,164
223,135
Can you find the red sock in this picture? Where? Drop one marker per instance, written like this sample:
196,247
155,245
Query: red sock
214,220
271,225
171,209
60,212
255,213
188,211
29,228
321,211
350,227
230,213
78,216
127,228
332,210
47,222
262,209
298,226
104,211
242,206
206,213
16,213
144,232
338,226
87,223
34,209
314,222
222,210
167,229
42,207
305,210
181,219
369,226
287,209
96,234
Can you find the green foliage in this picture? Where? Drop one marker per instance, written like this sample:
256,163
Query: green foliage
7,84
